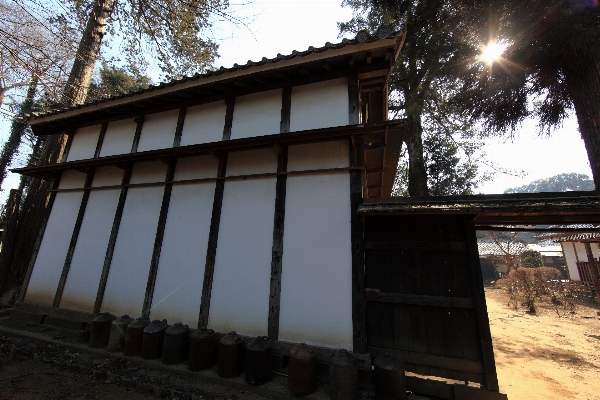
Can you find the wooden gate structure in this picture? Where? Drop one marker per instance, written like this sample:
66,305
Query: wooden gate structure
425,299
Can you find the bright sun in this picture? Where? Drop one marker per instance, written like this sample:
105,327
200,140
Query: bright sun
492,52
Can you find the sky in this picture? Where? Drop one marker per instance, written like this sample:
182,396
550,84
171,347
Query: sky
281,26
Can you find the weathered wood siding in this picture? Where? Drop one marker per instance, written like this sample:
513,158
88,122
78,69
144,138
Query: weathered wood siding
180,274
241,283
316,279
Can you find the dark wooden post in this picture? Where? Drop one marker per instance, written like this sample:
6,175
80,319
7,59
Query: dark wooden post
359,327
594,269
279,220
138,133
8,242
158,239
228,118
112,240
213,238
483,323
75,235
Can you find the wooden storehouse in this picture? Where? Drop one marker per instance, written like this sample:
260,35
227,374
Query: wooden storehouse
258,199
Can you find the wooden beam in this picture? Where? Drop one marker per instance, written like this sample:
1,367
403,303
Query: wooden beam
277,247
359,324
546,230
211,251
38,239
420,300
482,319
112,240
326,66
74,237
242,83
594,268
303,70
228,118
158,239
179,127
70,135
138,132
457,364
286,106
100,140
418,245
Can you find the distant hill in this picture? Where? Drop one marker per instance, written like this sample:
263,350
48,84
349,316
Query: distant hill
557,183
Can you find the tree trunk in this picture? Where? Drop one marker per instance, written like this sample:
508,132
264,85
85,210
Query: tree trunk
417,174
35,203
17,130
584,89
10,227
81,74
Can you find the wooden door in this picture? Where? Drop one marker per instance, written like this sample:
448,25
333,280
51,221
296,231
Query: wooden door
425,299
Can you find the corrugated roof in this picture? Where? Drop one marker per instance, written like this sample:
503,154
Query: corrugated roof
361,37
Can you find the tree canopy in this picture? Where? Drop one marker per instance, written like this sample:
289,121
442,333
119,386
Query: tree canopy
557,183
551,65
441,144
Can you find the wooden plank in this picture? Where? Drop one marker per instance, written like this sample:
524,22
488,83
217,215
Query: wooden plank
112,240
429,359
158,239
138,133
230,102
483,323
179,127
463,392
70,135
415,245
593,264
277,247
286,107
353,94
38,239
211,252
100,140
421,300
74,237
67,314
429,387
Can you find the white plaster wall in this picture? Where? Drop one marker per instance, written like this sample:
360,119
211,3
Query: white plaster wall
316,280
55,243
569,254
319,105
88,259
158,131
84,143
204,123
180,276
241,282
118,137
128,275
334,154
257,114
581,253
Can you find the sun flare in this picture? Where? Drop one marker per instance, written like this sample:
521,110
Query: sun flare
492,52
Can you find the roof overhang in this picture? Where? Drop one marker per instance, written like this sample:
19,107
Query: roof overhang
502,209
370,59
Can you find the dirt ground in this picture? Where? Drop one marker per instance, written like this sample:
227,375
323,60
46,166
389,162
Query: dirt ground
541,356
544,356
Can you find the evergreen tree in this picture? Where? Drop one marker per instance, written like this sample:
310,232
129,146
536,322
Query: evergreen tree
557,183
551,65
423,78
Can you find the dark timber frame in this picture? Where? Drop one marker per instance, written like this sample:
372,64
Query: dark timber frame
158,239
211,251
279,221
110,248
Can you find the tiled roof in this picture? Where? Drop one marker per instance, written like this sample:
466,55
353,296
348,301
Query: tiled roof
361,37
